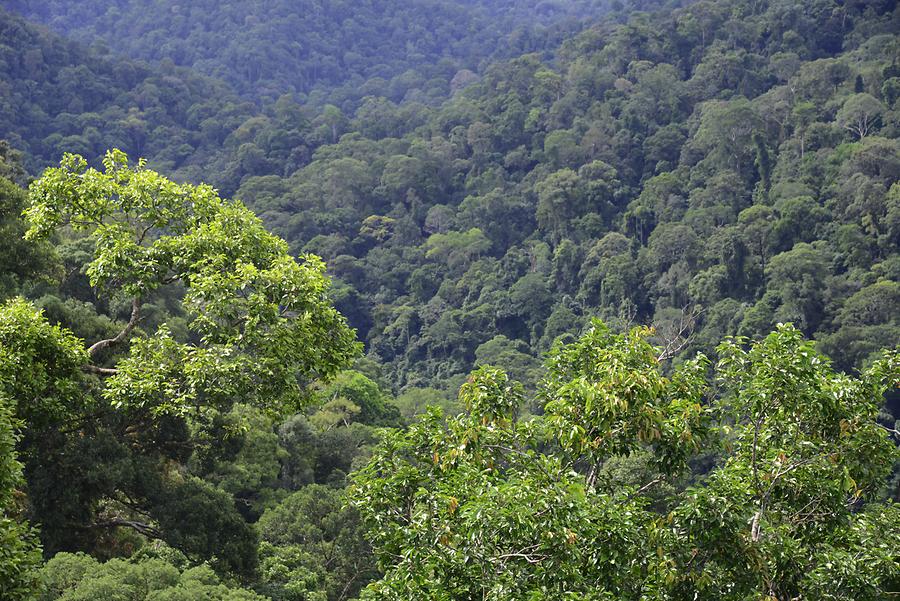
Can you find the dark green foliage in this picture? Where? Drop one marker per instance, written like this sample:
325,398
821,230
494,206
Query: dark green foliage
312,544
21,261
264,49
657,170
63,98
709,168
20,554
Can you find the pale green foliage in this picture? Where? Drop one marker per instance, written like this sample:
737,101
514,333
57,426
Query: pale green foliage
415,401
561,197
263,322
77,577
337,411
859,114
607,397
457,248
20,260
39,366
363,399
467,508
479,507
725,131
781,513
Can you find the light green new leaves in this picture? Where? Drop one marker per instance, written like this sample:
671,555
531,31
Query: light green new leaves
799,420
606,396
781,516
468,508
479,507
78,577
263,324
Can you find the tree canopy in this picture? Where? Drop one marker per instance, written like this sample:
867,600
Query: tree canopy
529,299
485,506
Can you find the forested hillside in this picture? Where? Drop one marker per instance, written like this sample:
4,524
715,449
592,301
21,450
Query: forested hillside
60,97
719,169
63,96
480,300
335,51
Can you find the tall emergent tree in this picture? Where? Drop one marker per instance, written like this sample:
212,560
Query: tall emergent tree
589,501
116,417
261,325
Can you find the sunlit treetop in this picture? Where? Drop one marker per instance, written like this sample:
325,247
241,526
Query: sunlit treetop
262,326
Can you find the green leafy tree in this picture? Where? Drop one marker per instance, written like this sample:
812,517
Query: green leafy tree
77,577
262,320
561,197
859,114
457,249
372,404
313,548
483,507
21,261
797,278
781,518
866,323
20,555
119,417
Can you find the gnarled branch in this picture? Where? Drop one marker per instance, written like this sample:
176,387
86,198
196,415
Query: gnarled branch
145,529
100,371
100,345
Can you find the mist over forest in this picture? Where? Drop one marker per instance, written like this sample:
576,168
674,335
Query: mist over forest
449,300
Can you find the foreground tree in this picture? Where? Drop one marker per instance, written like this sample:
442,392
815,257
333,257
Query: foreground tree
261,324
482,507
791,510
19,553
118,418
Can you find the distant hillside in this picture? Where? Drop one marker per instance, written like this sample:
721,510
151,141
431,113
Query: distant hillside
712,170
58,96
265,49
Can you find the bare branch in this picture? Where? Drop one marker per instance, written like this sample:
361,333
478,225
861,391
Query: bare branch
145,529
891,431
100,345
646,487
678,338
755,529
100,371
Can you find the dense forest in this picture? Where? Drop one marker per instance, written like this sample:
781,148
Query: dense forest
449,300
341,51
646,176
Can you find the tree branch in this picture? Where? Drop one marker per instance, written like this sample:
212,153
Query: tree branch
892,431
646,487
676,340
145,529
100,371
100,345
